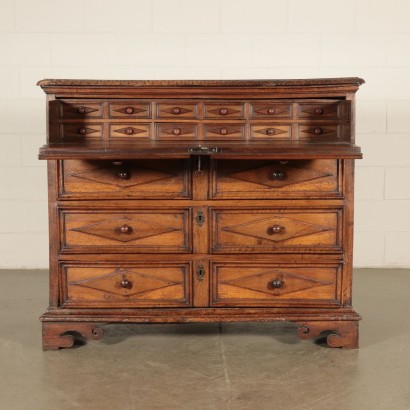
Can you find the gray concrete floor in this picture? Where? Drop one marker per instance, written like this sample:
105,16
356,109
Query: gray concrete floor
207,366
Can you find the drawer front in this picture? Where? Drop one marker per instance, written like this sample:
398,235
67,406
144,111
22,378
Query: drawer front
81,130
264,284
168,179
271,110
275,179
319,132
223,111
80,110
134,130
176,131
146,284
224,131
177,110
275,230
142,231
130,109
320,110
271,131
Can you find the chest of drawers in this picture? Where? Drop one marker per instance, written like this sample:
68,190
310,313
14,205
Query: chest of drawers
198,201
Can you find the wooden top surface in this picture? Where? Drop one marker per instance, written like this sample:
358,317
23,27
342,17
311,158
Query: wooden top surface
314,82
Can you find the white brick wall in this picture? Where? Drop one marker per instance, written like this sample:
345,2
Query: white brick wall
152,39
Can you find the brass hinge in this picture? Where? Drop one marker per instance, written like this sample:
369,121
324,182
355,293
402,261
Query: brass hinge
201,150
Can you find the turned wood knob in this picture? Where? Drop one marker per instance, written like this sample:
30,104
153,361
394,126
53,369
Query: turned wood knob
276,283
275,229
176,110
278,175
129,110
81,110
271,111
224,131
318,131
82,130
129,131
176,131
123,175
319,111
223,111
117,163
125,229
270,131
126,284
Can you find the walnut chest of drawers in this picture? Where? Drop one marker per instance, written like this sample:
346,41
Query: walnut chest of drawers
199,201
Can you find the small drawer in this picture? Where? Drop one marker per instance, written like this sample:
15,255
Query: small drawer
147,179
275,230
319,110
222,111
271,110
130,109
142,231
255,179
134,130
271,131
275,284
176,131
224,131
81,130
122,285
318,132
80,109
177,110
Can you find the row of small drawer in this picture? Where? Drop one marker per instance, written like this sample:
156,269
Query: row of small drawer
170,284
153,230
196,110
225,131
170,179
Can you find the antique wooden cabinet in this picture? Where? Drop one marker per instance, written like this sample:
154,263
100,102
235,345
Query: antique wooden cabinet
198,201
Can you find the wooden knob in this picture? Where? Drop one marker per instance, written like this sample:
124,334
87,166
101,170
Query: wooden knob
278,175
82,130
176,131
123,175
318,131
176,110
223,111
126,284
275,229
276,283
129,110
129,131
81,110
223,131
271,111
125,229
270,131
319,111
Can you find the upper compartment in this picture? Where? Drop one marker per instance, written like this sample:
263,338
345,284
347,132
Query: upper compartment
116,117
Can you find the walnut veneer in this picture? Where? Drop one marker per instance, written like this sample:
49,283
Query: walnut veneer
183,201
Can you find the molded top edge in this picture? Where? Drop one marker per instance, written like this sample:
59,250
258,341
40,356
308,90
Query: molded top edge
313,82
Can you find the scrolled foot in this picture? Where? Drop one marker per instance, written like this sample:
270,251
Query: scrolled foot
57,335
344,333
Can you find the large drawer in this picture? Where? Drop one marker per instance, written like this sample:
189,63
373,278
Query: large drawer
142,231
275,179
167,179
142,284
236,230
273,284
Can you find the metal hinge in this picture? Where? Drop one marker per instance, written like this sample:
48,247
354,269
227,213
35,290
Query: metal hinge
201,150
